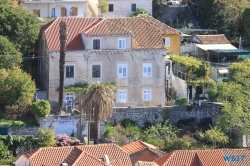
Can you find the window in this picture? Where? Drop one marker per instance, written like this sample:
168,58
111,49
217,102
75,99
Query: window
63,11
166,41
69,71
122,70
69,98
111,7
53,12
121,43
146,95
74,11
96,71
133,7
96,44
147,69
121,97
36,12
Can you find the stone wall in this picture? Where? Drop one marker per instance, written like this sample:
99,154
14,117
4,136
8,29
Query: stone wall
156,114
32,131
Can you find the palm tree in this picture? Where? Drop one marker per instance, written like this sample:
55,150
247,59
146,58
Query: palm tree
97,104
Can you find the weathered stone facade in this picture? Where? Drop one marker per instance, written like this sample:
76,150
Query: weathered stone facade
31,131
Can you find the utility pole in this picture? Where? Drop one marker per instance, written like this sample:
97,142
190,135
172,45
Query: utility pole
63,40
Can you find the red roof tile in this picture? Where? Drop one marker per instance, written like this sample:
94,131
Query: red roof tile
165,29
211,158
146,155
106,27
28,154
143,163
213,39
116,155
75,25
137,146
72,156
237,157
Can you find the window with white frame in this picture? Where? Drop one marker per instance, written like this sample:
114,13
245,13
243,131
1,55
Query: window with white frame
121,43
69,71
147,69
166,41
121,96
122,70
96,71
69,98
146,95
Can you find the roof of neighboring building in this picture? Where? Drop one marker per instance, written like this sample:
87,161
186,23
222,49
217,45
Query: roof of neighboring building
213,39
146,155
165,29
236,157
144,163
86,155
211,158
137,146
147,31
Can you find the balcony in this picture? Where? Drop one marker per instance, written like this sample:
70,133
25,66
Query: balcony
187,48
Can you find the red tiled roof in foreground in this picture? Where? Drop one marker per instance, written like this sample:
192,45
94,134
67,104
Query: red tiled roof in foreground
137,146
87,155
213,39
237,157
146,155
211,158
146,31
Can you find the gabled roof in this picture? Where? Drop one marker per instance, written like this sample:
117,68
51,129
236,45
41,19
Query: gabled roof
211,158
213,39
146,155
165,29
146,36
116,155
105,27
88,155
137,146
75,25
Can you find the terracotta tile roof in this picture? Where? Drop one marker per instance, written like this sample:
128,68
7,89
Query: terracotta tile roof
165,29
75,27
211,158
116,155
143,163
237,157
51,156
146,36
146,155
106,27
137,146
179,158
28,154
72,156
86,159
213,39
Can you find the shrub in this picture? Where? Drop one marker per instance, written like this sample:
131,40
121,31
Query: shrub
3,150
128,122
41,108
109,131
205,123
8,161
186,122
65,140
46,137
182,101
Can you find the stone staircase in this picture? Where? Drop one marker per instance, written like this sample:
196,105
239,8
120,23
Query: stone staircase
181,87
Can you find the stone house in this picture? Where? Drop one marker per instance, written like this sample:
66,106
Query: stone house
62,8
129,51
124,8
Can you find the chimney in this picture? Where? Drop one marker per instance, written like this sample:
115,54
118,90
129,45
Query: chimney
63,164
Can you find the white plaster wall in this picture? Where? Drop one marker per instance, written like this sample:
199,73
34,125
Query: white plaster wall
45,8
134,83
107,42
21,161
122,8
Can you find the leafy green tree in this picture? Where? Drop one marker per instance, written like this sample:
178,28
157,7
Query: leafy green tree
9,56
139,11
19,26
3,150
41,108
246,24
97,103
16,88
182,101
46,138
103,6
215,135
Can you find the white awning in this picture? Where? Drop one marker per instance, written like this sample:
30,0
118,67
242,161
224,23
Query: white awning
223,71
216,46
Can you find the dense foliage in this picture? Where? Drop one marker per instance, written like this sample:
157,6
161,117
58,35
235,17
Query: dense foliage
46,138
3,150
41,108
19,26
139,11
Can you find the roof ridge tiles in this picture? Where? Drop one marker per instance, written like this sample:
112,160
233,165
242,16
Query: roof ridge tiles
95,23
